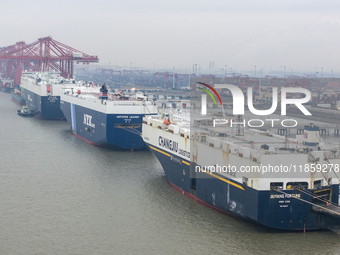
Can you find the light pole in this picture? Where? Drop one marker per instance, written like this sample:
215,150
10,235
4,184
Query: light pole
284,71
260,88
173,79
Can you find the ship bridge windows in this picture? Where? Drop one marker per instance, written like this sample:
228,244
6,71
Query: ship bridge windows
276,185
297,185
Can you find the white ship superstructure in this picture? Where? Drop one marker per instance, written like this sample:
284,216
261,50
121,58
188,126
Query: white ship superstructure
41,91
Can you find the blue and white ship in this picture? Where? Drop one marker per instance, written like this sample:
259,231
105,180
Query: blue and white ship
17,96
260,176
41,91
6,85
111,120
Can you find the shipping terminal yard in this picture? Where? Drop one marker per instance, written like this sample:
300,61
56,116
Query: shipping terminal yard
47,54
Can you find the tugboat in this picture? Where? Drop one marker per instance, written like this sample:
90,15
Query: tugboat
25,112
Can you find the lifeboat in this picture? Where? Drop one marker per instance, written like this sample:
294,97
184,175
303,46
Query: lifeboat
167,121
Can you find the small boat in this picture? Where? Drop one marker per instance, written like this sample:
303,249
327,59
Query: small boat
25,112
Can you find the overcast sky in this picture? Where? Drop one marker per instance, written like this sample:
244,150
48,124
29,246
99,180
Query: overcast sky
303,35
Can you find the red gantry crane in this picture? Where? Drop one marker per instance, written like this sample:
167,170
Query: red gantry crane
165,75
43,55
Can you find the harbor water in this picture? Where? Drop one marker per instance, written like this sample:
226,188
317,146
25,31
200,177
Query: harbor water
61,195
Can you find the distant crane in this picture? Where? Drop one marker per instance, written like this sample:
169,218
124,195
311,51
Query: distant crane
43,55
166,75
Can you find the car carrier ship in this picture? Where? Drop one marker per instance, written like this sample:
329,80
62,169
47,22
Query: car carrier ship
17,96
112,120
258,176
6,85
41,91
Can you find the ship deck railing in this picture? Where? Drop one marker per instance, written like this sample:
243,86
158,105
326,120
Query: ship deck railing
157,122
94,97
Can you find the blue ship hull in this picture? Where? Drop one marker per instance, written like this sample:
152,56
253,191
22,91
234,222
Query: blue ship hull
267,208
46,107
18,99
106,130
6,89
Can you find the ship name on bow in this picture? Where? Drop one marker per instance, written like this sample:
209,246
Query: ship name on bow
88,120
168,143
